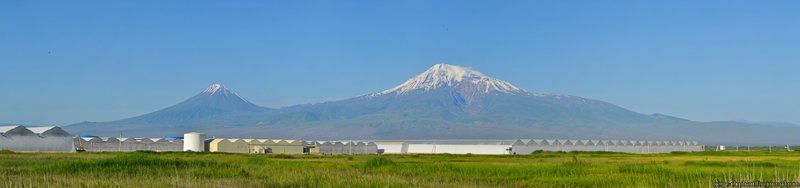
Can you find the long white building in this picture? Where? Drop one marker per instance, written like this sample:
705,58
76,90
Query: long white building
503,147
112,144
623,146
483,147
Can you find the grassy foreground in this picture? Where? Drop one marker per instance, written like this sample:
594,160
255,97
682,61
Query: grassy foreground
146,169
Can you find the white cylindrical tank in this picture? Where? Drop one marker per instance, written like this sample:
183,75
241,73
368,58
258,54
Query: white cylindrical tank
194,141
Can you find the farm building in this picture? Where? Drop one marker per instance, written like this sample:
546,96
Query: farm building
336,147
278,146
488,147
499,147
229,145
233,145
625,146
112,144
35,139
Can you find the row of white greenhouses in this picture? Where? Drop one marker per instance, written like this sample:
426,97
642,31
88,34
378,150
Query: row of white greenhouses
54,139
35,139
112,144
624,146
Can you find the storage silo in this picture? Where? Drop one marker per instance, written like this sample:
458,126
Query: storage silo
194,141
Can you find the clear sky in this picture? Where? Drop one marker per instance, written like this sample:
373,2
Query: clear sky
63,62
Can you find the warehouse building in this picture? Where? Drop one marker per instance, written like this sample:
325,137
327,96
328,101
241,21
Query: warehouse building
229,145
112,144
35,139
278,146
337,147
235,145
265,146
624,146
486,147
500,147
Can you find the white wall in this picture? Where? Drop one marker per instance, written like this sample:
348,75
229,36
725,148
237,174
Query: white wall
393,148
458,149
35,143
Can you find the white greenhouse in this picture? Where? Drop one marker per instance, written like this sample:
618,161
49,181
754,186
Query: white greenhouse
112,144
35,139
342,147
484,147
624,146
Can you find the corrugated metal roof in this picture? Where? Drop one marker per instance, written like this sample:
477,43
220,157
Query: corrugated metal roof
40,130
4,129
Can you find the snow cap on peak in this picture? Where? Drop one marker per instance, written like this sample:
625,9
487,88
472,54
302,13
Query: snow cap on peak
445,75
452,72
219,90
214,88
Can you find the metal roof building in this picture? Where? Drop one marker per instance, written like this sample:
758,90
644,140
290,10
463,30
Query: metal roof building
112,144
235,145
35,139
486,147
625,146
339,147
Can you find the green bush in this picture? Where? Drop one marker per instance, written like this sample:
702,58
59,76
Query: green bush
378,162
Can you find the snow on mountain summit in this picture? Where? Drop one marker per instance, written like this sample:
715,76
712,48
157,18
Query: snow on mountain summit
213,88
444,75
218,89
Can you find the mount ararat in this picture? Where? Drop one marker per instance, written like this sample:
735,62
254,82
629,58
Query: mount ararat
444,102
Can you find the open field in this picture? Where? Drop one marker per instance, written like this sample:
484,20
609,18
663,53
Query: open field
146,169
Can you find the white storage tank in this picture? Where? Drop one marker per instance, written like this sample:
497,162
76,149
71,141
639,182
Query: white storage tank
194,141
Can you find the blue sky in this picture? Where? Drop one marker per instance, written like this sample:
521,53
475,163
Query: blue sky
66,62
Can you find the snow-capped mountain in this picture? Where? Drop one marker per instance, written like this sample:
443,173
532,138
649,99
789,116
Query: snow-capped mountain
449,101
443,102
463,79
452,102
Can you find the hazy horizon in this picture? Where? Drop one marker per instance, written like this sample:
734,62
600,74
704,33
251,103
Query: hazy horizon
65,63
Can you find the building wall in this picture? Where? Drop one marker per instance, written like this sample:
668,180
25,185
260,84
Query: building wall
621,146
278,149
340,148
114,145
256,146
392,147
459,149
35,143
315,149
229,146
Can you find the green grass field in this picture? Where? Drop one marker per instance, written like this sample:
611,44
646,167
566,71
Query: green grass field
147,169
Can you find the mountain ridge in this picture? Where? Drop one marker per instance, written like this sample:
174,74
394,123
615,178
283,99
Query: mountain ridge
443,102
